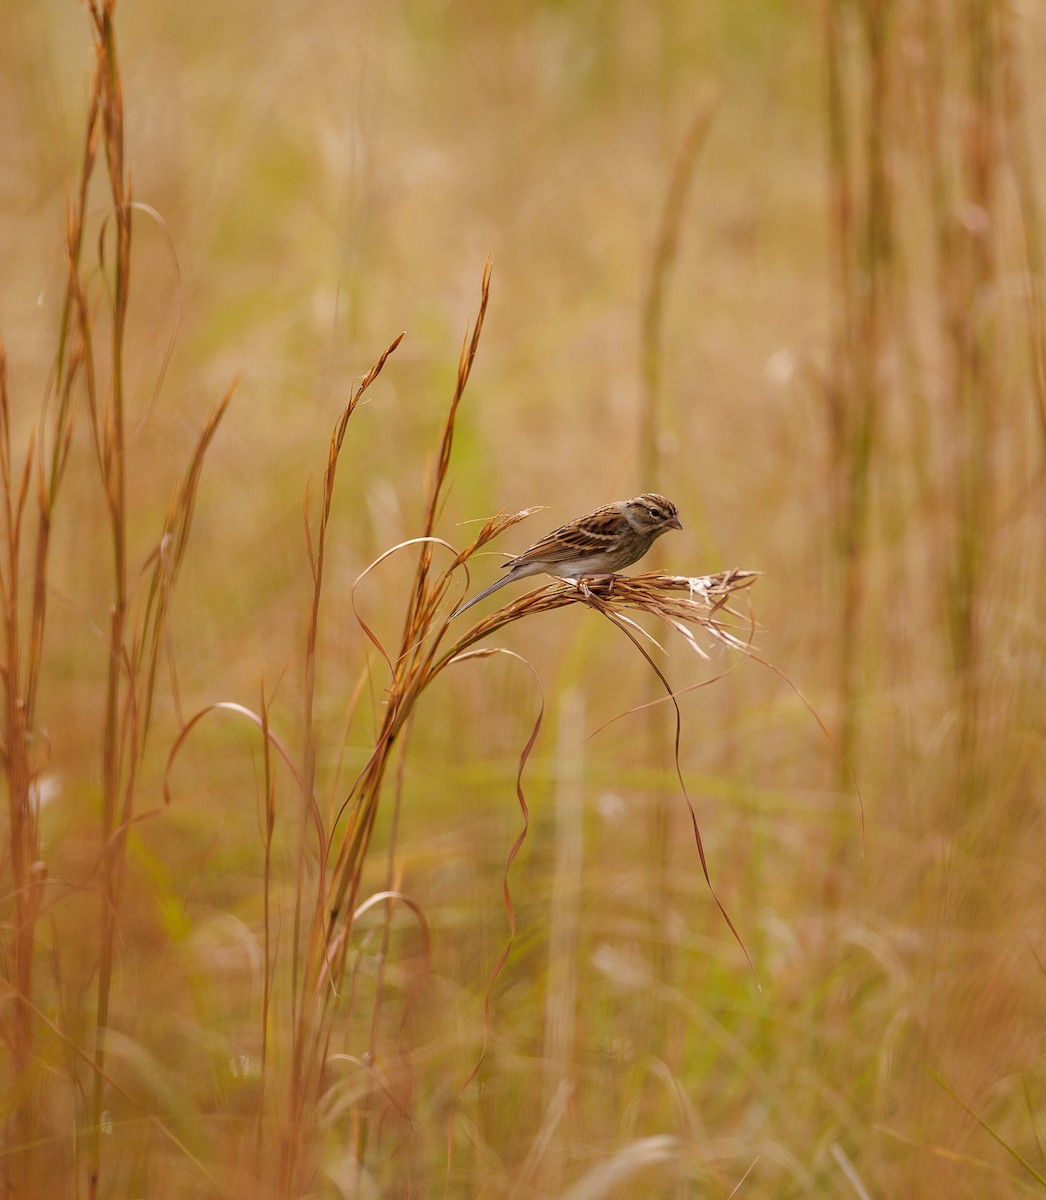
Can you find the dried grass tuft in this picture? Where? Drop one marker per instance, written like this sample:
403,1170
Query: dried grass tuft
687,603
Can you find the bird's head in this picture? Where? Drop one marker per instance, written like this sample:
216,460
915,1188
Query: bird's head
651,514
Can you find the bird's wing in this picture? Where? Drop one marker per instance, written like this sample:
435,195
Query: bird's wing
590,535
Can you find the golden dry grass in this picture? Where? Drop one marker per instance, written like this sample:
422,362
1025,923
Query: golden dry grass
271,921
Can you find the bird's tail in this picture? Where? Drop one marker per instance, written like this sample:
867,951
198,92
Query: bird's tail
498,583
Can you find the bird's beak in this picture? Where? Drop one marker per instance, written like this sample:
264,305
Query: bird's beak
673,523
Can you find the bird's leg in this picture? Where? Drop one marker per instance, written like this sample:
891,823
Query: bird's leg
582,583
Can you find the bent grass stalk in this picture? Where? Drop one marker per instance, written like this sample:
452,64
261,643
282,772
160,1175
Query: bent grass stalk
683,604
328,900
652,429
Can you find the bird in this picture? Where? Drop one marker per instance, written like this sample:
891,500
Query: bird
599,543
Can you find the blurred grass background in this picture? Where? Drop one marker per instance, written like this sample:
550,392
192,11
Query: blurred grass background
851,400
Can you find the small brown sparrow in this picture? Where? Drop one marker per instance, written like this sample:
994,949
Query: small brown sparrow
598,543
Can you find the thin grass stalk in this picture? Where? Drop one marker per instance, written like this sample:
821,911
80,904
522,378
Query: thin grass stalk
651,460
964,213
410,659
317,554
839,383
390,887
1032,1170
309,935
950,275
21,689
23,827
874,251
54,439
65,363
389,902
842,201
559,1056
975,369
261,1155
134,647
666,251
166,561
446,444
862,249
114,468
1021,162
317,559
47,455
329,940
114,484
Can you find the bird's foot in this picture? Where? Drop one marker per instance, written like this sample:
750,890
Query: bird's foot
584,584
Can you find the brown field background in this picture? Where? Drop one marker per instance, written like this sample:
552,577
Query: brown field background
780,261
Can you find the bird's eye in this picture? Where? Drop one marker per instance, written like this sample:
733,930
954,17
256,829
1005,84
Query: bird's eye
656,514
